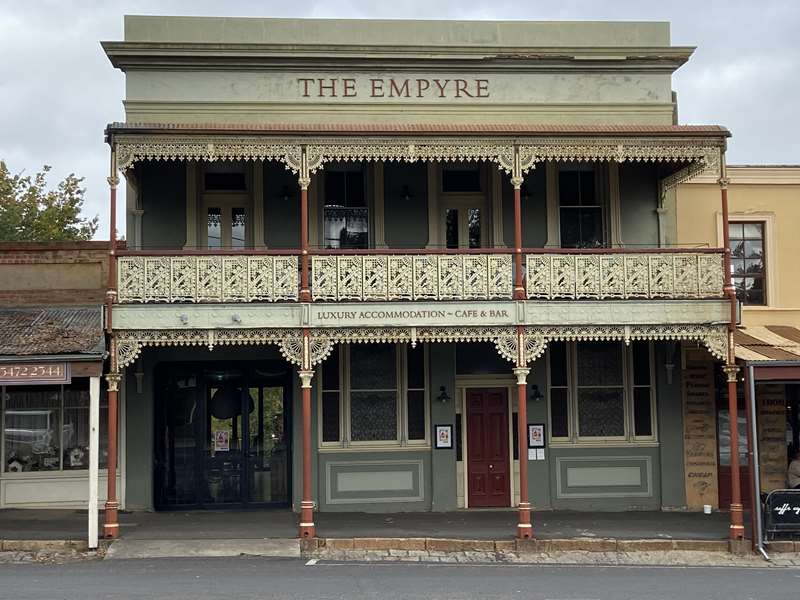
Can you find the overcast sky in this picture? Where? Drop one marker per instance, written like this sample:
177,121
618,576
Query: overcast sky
58,90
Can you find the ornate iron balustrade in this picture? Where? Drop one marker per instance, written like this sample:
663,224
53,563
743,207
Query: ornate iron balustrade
207,278
663,275
411,277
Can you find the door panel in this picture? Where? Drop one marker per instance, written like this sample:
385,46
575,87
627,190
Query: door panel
221,435
488,471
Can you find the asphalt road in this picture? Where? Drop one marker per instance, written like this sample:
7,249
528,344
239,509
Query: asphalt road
245,578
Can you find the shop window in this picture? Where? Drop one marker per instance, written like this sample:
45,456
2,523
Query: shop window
601,405
580,209
374,395
46,428
345,214
748,261
600,391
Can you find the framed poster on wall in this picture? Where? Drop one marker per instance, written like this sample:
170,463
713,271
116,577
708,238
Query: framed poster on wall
535,435
444,436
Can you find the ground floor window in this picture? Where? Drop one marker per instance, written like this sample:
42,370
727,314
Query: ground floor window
46,428
374,394
601,391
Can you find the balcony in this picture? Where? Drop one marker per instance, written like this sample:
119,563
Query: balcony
386,276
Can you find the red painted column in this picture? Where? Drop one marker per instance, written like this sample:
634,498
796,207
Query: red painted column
736,513
519,287
305,291
307,528
111,517
524,527
111,520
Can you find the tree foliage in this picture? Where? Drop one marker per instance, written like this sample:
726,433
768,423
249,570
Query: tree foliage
29,211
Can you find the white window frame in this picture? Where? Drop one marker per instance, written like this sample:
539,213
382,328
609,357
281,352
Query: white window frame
573,438
345,429
770,253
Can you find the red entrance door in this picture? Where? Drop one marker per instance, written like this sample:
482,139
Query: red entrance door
488,471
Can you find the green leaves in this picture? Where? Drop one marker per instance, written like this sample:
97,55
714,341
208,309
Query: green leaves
31,212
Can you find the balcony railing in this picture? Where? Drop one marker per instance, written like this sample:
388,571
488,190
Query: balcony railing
364,276
207,278
671,274
412,277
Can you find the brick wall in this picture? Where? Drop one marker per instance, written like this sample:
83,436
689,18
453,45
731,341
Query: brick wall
53,272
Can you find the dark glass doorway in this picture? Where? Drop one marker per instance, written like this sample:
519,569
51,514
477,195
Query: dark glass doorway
223,435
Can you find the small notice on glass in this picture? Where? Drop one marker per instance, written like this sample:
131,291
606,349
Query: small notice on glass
222,441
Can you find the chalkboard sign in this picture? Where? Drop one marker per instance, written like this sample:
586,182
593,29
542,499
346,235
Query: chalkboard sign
782,512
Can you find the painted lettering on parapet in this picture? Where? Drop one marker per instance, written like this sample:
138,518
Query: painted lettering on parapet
391,87
473,316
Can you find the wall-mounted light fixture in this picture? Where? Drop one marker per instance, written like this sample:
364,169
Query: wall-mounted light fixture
184,318
443,397
536,393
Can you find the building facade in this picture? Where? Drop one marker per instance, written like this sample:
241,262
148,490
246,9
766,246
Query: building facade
52,353
764,207
435,264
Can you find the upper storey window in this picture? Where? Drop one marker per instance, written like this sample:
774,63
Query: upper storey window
345,214
747,261
580,209
226,205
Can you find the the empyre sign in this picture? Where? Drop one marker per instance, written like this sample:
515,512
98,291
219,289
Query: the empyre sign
392,87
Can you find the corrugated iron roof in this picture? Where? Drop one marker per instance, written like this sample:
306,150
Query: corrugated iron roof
51,330
433,128
765,343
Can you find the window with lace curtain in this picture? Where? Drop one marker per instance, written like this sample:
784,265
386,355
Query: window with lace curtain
601,391
374,395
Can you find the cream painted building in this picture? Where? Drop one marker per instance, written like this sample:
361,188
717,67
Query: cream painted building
768,197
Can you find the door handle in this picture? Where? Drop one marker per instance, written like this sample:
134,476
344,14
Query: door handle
491,466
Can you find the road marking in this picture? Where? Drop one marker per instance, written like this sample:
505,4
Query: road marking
311,562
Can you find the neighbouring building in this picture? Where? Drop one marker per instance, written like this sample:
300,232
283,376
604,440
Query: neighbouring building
764,211
410,266
52,350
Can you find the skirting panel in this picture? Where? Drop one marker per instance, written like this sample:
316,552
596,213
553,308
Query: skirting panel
604,477
355,482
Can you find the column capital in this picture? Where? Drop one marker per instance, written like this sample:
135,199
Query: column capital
731,371
516,181
305,378
521,374
113,380
723,182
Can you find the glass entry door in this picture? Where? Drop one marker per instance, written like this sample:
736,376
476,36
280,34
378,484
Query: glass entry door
221,435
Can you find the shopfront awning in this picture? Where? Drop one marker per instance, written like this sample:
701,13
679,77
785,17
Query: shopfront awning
774,350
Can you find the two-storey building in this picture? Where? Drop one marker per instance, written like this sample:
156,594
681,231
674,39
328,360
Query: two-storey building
764,210
407,266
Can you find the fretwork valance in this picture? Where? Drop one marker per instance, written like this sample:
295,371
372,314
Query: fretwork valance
515,156
520,346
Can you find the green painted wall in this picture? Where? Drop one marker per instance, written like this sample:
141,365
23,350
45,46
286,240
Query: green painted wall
405,220
443,461
281,215
670,424
534,210
237,30
638,191
539,491
162,186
